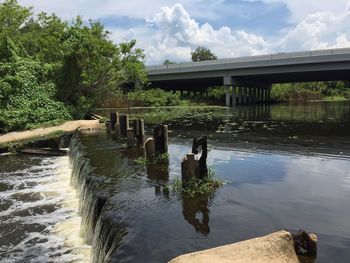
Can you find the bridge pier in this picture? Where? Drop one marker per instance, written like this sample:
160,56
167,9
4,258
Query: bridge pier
245,92
239,95
227,96
234,96
245,95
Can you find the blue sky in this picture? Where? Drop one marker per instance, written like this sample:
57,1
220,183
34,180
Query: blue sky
170,29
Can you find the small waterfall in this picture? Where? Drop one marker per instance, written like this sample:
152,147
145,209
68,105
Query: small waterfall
97,228
39,215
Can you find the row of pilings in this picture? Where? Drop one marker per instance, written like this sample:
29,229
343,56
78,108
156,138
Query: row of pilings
134,132
236,96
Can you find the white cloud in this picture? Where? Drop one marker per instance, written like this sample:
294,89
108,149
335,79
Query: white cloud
171,33
177,34
318,31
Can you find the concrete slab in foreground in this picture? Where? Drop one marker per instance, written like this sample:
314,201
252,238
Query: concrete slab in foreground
274,248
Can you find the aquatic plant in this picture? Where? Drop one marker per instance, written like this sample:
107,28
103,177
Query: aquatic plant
196,187
158,159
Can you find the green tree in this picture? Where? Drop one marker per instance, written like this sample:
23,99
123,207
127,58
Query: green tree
12,17
202,53
42,37
168,62
76,62
26,98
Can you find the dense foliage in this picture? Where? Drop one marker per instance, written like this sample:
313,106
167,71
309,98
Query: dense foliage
332,90
52,70
26,94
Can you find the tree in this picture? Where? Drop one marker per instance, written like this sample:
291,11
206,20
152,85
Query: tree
168,62
75,63
12,17
202,53
27,99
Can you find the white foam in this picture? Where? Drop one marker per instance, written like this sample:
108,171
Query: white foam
49,185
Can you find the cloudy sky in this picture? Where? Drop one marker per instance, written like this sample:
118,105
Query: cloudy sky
168,29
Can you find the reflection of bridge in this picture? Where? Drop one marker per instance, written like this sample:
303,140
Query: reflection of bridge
249,79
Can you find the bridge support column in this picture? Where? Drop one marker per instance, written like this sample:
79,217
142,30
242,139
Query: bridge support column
253,95
250,95
263,95
260,95
239,95
234,96
269,95
227,96
229,83
245,95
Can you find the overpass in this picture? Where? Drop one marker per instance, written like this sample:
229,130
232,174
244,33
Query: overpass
249,79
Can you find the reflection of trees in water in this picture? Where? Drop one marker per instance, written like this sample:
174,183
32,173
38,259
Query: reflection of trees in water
196,212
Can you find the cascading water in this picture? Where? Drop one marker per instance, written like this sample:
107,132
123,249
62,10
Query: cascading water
39,211
97,230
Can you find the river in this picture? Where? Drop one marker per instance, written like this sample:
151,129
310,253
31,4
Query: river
284,167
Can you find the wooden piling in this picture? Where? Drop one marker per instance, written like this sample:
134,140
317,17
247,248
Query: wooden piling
114,119
139,132
160,135
124,125
130,135
150,148
189,167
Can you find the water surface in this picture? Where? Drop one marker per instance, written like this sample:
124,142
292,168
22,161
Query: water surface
285,167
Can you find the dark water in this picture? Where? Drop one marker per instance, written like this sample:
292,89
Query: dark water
285,167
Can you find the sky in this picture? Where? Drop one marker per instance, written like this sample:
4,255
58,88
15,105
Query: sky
170,29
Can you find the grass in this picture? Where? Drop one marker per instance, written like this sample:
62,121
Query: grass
195,187
159,159
334,98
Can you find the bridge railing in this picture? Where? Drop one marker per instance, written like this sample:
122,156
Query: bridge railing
299,54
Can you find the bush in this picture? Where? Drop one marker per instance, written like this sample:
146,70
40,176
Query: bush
309,91
26,97
153,98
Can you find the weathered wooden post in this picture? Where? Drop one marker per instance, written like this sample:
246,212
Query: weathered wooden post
130,136
150,148
108,126
124,125
114,119
189,167
160,135
202,162
139,132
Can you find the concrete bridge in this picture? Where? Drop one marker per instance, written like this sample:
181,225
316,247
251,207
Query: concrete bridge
249,79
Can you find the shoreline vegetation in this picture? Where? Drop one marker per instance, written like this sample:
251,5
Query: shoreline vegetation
53,71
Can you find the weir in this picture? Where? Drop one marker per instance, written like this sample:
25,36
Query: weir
98,229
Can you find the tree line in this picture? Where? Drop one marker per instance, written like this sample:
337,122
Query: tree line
53,70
